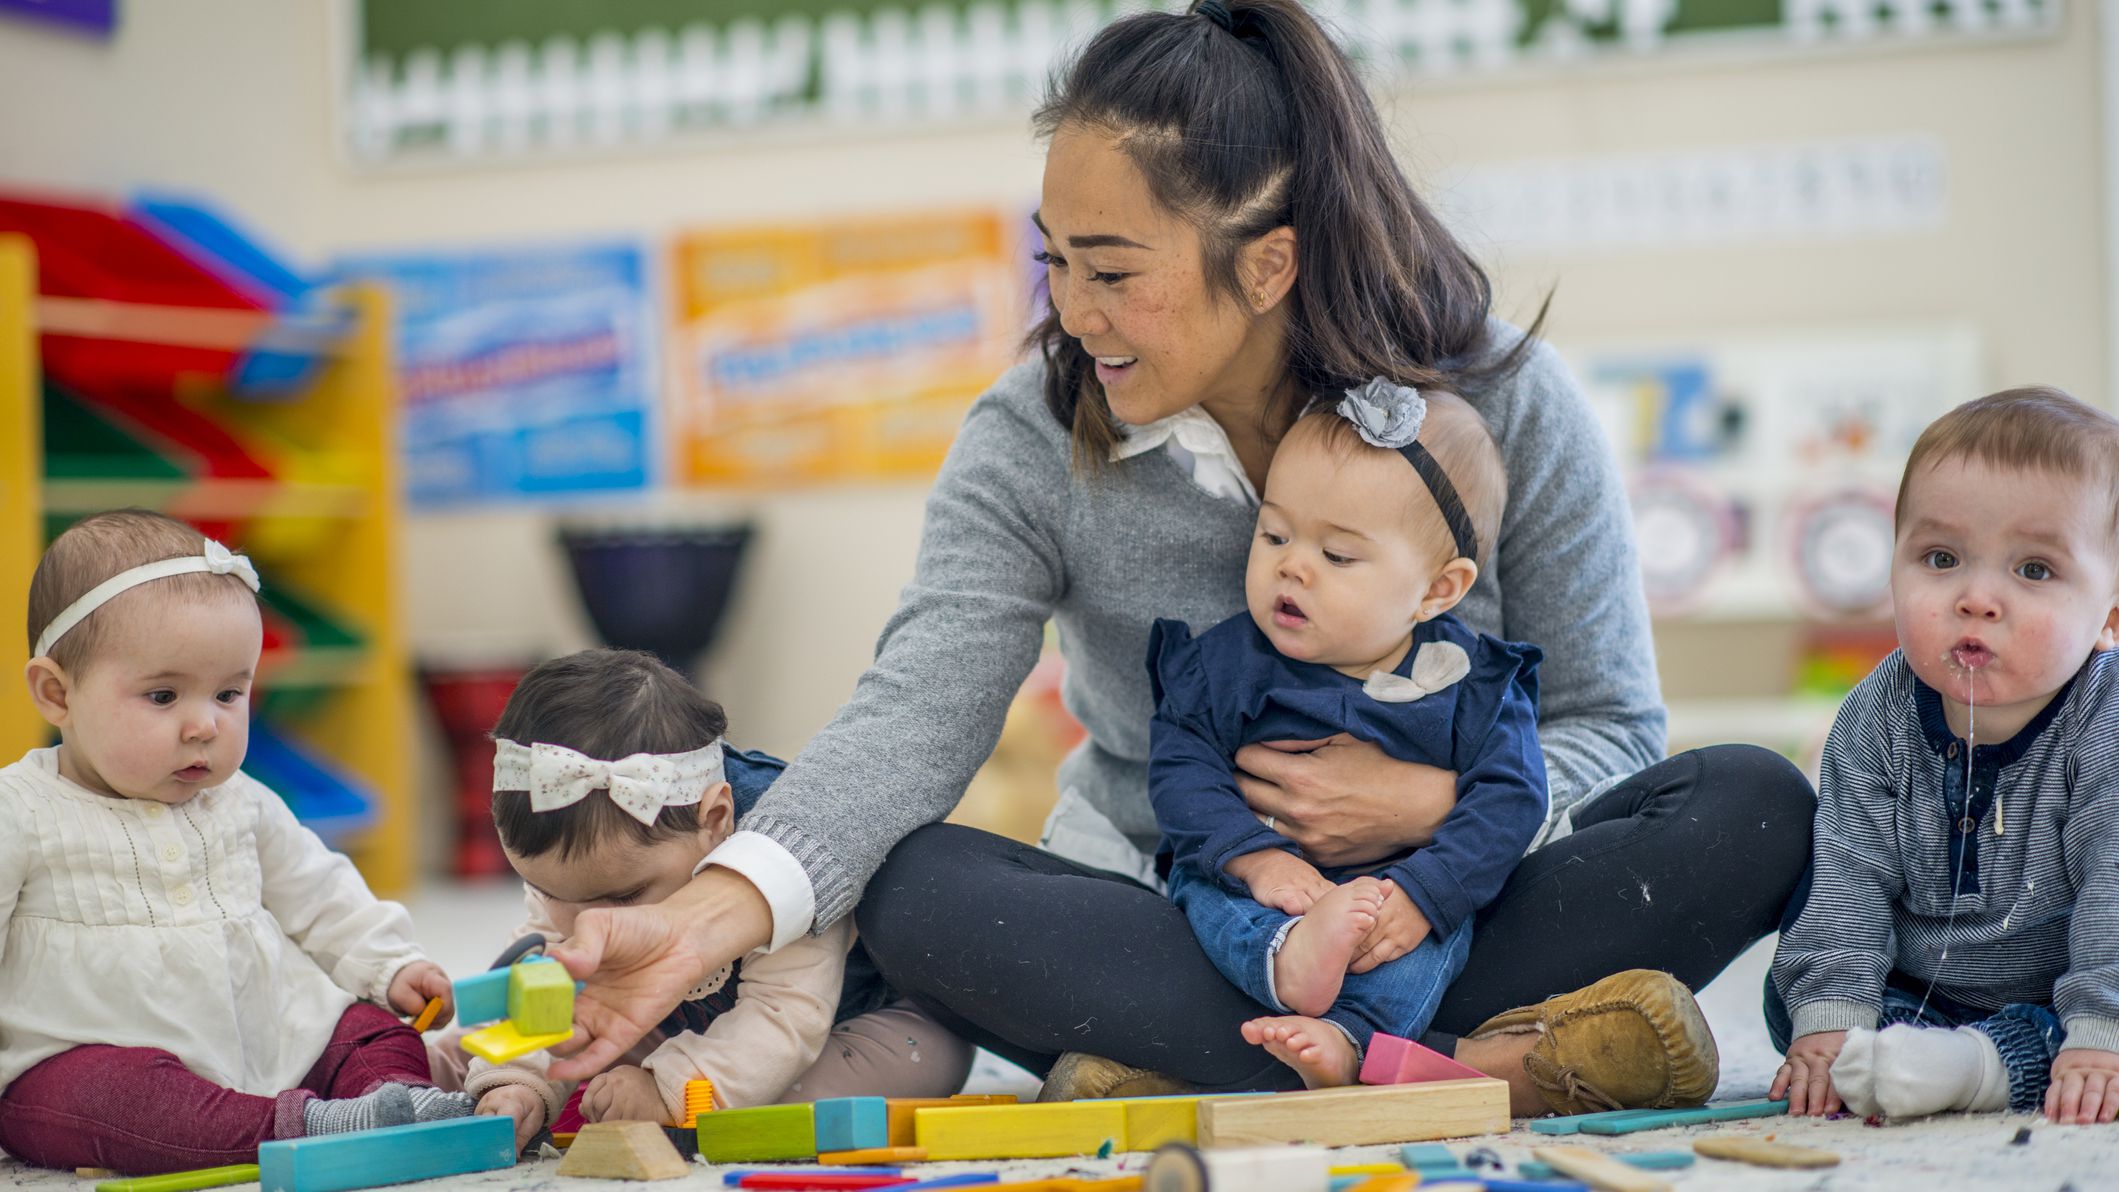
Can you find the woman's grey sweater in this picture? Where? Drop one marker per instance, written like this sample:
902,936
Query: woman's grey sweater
1014,537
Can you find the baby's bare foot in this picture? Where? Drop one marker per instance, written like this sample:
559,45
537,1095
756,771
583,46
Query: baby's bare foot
1315,1048
1311,964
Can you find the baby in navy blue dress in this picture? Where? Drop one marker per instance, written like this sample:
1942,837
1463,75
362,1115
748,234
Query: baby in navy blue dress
1372,527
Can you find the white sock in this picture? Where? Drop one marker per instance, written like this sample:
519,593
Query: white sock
1924,1070
1854,1072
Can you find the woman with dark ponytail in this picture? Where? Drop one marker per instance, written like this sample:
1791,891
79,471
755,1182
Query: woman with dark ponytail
1228,238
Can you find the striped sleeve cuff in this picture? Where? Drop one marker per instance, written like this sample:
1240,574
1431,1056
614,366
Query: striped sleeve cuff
1811,1018
2101,1034
779,876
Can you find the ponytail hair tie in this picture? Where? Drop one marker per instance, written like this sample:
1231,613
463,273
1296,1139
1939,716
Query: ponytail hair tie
1217,12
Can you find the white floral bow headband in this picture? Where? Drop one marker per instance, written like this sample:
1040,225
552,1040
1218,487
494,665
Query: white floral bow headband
642,784
213,559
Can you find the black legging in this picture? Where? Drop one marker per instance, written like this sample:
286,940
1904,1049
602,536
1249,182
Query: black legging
1680,868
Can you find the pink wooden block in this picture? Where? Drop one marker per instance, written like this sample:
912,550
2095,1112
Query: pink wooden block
1392,1060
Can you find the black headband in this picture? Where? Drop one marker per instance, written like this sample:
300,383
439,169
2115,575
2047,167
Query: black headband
1217,12
1445,494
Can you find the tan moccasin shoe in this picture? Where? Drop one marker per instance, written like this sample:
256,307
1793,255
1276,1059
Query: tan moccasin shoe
1635,1040
1079,1076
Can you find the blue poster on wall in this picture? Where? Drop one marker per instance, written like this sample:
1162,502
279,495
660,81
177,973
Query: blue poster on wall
524,373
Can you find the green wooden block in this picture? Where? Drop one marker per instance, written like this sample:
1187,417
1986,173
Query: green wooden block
1657,1119
184,1181
540,998
765,1134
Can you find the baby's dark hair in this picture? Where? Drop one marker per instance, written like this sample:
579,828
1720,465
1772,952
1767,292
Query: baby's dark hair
604,704
1457,436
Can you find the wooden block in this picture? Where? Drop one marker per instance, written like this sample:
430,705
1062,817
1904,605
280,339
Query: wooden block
1179,1168
501,1042
427,1014
1573,1123
901,1110
874,1154
1359,1115
763,1134
1152,1122
184,1181
1427,1154
540,998
852,1123
962,1179
1597,1169
396,1155
482,997
93,1173
623,1151
1048,1131
1761,1153
1657,1119
1403,1181
564,1139
1392,1060
820,1181
1531,1169
1346,1169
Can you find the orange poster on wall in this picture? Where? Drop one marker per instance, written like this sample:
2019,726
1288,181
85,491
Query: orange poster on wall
838,351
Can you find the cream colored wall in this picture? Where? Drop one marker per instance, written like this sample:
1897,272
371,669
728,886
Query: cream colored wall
232,98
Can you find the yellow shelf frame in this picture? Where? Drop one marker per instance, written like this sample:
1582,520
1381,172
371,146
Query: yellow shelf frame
364,726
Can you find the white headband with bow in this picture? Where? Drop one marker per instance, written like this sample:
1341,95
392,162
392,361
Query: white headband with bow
642,784
213,558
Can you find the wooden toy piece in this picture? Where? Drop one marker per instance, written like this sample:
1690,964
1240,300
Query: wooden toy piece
1403,1181
540,998
427,1014
684,1138
1358,1115
1366,1169
1154,1121
963,1179
482,997
1180,1168
852,1123
396,1155
565,1139
1657,1119
901,1109
1761,1153
1046,1131
763,1134
698,1099
623,1151
1392,1060
875,1154
735,1176
1427,1154
821,1181
501,1042
1598,1169
184,1181
93,1173
1531,1169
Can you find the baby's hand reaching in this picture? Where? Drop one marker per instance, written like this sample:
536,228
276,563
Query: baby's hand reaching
1806,1079
515,1101
2085,1087
417,982
1280,879
624,1094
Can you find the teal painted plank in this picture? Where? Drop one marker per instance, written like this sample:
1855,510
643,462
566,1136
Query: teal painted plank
397,1155
1657,1119
1574,1124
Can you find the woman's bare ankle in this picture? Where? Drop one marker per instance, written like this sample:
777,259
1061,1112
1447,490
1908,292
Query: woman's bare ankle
1501,1057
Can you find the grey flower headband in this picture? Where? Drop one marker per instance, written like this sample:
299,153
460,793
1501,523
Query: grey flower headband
1390,415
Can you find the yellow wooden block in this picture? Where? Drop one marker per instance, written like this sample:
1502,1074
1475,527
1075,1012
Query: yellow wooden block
1368,1169
501,1042
880,1156
1020,1131
1153,1121
1358,1116
899,1110
1761,1152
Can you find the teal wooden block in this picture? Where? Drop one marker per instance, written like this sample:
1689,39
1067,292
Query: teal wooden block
482,997
764,1134
1531,1169
540,998
1657,1119
396,1155
1574,1124
852,1124
1426,1154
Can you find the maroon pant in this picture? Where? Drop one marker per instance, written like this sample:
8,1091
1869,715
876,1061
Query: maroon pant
140,1111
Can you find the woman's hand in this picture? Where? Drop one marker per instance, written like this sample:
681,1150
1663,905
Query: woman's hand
1806,1079
1345,801
639,961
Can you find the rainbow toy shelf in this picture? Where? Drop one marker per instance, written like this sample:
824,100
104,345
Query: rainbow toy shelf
154,356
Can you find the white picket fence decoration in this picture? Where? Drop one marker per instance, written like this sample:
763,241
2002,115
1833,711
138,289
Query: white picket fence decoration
941,62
